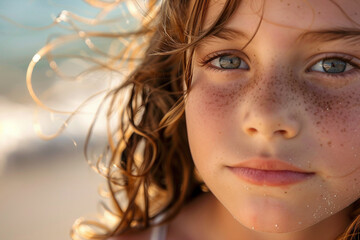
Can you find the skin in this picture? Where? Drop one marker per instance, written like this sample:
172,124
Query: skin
279,107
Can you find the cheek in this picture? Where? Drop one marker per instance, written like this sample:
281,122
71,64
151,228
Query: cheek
211,104
210,111
335,117
212,98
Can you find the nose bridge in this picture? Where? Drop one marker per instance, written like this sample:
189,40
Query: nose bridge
270,89
269,111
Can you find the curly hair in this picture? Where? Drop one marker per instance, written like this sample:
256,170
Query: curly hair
151,171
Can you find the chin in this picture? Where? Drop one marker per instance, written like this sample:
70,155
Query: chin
285,226
274,219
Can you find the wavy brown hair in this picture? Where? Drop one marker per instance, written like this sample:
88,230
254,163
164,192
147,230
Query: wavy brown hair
151,165
149,169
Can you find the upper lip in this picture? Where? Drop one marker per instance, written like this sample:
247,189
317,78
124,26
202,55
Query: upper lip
268,164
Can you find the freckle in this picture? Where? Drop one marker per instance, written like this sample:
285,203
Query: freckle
285,192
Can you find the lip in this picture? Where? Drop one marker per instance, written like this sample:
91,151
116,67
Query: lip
269,172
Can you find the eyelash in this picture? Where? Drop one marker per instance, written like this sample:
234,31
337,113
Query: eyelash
205,62
347,59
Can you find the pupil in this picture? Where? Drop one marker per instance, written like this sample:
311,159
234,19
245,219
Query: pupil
334,65
229,62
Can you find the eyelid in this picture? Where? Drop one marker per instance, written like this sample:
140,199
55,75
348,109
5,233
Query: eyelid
210,57
353,61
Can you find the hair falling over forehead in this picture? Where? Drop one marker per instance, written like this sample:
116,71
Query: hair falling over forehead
149,169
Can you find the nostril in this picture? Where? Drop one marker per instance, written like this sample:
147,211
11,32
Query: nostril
282,132
252,131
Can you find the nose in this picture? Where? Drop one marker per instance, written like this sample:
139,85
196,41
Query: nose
270,125
271,119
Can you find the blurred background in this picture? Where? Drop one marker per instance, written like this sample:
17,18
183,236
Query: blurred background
44,185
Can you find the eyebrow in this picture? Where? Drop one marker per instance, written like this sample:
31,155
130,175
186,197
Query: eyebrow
224,33
328,35
229,34
323,35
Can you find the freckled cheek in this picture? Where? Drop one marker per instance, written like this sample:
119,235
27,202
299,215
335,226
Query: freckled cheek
336,118
342,147
212,102
210,111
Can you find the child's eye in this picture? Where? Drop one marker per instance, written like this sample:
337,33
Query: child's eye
229,62
332,66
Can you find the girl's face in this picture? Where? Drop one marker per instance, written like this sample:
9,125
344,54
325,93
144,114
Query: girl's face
274,128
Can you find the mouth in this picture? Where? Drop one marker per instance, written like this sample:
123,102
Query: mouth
269,172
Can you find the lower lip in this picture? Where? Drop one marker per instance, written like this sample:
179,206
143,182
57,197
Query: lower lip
270,177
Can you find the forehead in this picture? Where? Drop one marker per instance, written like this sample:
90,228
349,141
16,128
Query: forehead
298,14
